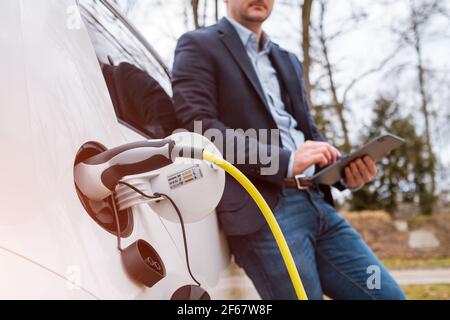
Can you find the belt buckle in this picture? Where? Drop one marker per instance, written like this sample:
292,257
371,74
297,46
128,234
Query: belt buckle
299,179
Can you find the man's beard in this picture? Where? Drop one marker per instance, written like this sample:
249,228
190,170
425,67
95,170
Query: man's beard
250,18
257,19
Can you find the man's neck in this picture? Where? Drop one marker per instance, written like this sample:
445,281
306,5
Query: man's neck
255,27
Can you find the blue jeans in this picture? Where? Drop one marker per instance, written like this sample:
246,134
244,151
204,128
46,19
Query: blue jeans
330,255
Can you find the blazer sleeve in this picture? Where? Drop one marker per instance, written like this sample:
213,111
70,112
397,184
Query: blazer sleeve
300,74
315,130
195,84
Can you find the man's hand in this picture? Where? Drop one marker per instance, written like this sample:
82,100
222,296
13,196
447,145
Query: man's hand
314,152
360,172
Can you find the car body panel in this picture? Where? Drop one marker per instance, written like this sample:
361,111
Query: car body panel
53,99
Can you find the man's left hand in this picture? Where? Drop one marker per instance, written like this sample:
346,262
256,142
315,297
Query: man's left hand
360,172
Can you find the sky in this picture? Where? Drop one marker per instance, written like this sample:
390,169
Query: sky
359,49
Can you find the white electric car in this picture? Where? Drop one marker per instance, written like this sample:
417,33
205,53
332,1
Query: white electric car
56,109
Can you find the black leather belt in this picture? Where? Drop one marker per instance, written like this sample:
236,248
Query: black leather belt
300,182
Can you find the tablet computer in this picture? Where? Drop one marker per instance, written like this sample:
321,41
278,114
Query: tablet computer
377,149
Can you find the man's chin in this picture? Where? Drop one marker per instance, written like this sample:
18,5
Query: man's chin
257,17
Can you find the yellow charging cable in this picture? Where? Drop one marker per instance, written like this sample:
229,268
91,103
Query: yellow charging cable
268,215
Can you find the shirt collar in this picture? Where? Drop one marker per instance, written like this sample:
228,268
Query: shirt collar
248,37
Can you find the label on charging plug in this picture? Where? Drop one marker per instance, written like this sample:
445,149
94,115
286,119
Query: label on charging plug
184,177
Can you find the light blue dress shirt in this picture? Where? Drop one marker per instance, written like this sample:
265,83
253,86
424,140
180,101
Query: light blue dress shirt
291,137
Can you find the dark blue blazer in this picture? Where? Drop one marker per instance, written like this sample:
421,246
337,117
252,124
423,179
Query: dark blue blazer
214,82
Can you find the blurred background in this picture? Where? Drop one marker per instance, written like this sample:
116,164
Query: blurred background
370,67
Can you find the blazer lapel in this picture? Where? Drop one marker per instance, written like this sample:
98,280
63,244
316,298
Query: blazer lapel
234,44
285,69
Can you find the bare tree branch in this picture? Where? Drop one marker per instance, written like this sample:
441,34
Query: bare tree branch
369,72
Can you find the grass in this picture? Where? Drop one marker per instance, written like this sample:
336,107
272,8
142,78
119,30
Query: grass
416,263
428,292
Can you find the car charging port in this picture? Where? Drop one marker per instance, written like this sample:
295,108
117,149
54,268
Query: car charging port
102,212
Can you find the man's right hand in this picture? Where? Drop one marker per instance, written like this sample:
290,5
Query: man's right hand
314,152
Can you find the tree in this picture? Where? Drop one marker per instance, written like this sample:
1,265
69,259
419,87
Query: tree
200,12
195,13
306,10
413,33
338,105
339,92
216,10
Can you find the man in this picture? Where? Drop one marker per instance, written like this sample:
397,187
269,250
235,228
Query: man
231,75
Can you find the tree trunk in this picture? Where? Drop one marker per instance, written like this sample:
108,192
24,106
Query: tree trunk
423,96
338,106
216,10
306,21
194,4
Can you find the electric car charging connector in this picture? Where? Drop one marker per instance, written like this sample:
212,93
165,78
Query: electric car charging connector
100,176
